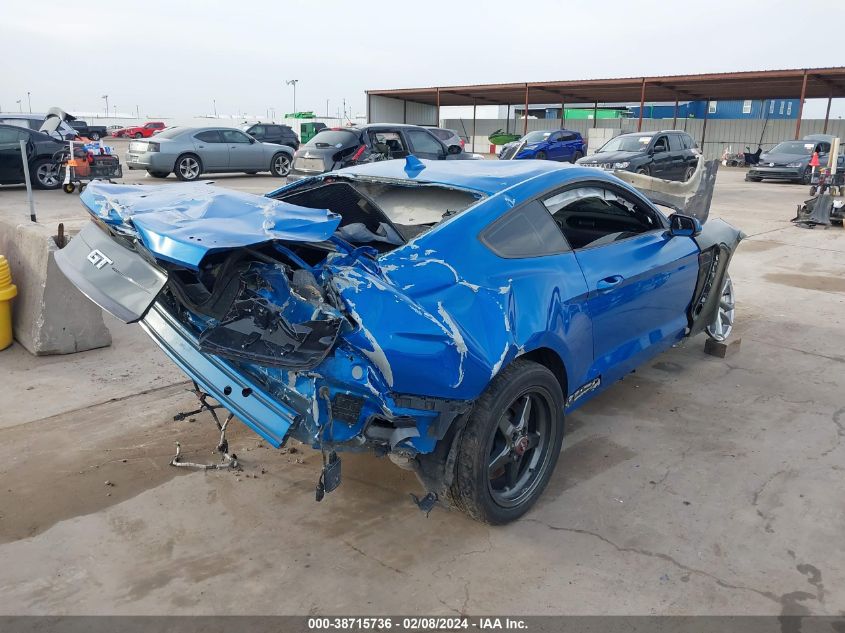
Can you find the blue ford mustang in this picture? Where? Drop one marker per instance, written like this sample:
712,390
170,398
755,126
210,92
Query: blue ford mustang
447,315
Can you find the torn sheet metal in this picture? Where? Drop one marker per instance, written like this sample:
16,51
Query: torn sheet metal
692,197
182,223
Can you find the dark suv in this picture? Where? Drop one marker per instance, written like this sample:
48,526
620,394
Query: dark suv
669,154
273,133
339,147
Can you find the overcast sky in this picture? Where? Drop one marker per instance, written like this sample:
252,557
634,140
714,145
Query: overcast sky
172,58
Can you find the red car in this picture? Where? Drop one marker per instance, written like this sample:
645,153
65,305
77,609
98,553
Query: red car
141,131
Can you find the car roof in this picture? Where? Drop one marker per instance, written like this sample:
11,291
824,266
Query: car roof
484,176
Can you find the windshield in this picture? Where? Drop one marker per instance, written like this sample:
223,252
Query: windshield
800,148
536,137
334,138
625,143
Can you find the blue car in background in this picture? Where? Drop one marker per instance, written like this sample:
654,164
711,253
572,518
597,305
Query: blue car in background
559,145
445,314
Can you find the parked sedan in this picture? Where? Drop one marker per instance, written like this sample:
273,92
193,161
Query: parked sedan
450,138
560,145
40,149
790,160
140,131
447,314
191,152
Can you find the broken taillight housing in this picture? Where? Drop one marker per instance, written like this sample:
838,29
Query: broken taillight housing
358,153
153,147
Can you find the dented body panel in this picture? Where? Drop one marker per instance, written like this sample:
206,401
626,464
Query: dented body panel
268,304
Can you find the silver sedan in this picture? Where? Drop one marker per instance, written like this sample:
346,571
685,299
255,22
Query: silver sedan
191,152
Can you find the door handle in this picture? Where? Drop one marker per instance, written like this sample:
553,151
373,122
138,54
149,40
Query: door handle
609,282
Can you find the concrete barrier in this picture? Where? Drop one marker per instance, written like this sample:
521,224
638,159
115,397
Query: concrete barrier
50,316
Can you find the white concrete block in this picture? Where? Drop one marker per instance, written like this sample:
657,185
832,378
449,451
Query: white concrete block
49,315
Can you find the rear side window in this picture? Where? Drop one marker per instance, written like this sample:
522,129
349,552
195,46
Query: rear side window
209,136
422,141
675,142
567,136
687,141
528,231
441,134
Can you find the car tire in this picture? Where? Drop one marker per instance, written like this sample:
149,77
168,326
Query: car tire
281,164
576,156
95,136
188,167
159,174
688,173
138,135
723,321
541,155
813,190
807,176
503,443
645,171
45,174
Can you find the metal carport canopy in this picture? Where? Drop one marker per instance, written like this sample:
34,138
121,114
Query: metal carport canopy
763,84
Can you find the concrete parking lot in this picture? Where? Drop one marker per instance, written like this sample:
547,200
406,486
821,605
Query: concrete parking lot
697,485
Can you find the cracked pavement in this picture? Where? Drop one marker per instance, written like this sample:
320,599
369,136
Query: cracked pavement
695,486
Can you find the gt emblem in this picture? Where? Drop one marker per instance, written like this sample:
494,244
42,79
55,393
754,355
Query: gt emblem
99,259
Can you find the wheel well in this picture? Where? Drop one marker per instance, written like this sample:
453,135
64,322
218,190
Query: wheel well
181,156
549,359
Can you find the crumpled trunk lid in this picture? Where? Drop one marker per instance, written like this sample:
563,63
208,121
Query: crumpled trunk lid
183,223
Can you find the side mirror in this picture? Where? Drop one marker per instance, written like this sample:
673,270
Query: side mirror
251,140
455,149
684,225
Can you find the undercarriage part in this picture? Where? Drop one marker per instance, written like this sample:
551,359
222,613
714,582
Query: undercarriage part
427,503
330,476
227,462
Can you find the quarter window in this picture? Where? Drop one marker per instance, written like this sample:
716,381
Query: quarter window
527,231
594,215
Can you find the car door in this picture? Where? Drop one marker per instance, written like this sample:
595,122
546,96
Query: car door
640,279
661,166
423,144
244,153
11,163
677,157
571,144
212,150
554,146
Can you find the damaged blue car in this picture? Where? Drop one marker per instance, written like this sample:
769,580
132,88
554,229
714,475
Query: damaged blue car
447,315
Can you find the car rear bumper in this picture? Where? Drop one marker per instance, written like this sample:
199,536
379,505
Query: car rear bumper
270,417
151,161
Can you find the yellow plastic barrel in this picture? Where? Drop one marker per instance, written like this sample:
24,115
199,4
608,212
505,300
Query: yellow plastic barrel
7,292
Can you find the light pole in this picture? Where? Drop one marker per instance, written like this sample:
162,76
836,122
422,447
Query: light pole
29,101
214,101
106,97
293,82
137,112
20,107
